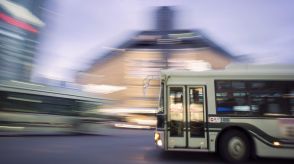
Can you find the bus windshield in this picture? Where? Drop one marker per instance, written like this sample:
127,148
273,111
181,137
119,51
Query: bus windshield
160,112
161,101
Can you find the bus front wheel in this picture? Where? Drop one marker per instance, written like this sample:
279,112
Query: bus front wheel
234,146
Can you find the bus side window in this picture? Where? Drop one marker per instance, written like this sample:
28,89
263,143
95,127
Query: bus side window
258,97
271,97
232,97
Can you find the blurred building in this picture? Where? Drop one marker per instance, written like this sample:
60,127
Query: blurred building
120,73
20,26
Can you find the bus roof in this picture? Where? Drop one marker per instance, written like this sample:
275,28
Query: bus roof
39,89
237,69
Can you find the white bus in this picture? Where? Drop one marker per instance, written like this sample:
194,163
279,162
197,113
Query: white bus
27,108
235,112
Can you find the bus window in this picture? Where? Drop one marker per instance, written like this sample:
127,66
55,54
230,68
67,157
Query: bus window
160,121
265,98
275,98
196,107
238,85
161,100
160,113
223,84
176,106
232,99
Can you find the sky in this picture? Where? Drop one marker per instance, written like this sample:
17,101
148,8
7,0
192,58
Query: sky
79,31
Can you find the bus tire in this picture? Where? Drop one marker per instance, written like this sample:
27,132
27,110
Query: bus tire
234,146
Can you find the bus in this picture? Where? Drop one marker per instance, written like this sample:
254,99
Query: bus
238,112
28,108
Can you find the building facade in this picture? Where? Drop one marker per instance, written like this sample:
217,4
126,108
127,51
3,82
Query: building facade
122,73
20,26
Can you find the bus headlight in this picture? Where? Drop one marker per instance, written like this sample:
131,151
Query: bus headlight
159,142
157,139
156,136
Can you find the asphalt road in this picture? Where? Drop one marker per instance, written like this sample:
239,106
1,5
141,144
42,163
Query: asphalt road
121,147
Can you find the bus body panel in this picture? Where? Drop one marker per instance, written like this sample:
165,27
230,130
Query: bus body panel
263,150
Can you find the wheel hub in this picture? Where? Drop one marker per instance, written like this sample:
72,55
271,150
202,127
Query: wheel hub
236,147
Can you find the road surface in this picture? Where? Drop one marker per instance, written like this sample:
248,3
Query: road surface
122,147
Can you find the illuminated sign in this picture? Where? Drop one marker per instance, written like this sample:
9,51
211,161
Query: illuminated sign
17,23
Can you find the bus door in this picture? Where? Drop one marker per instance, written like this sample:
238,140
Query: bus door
186,117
